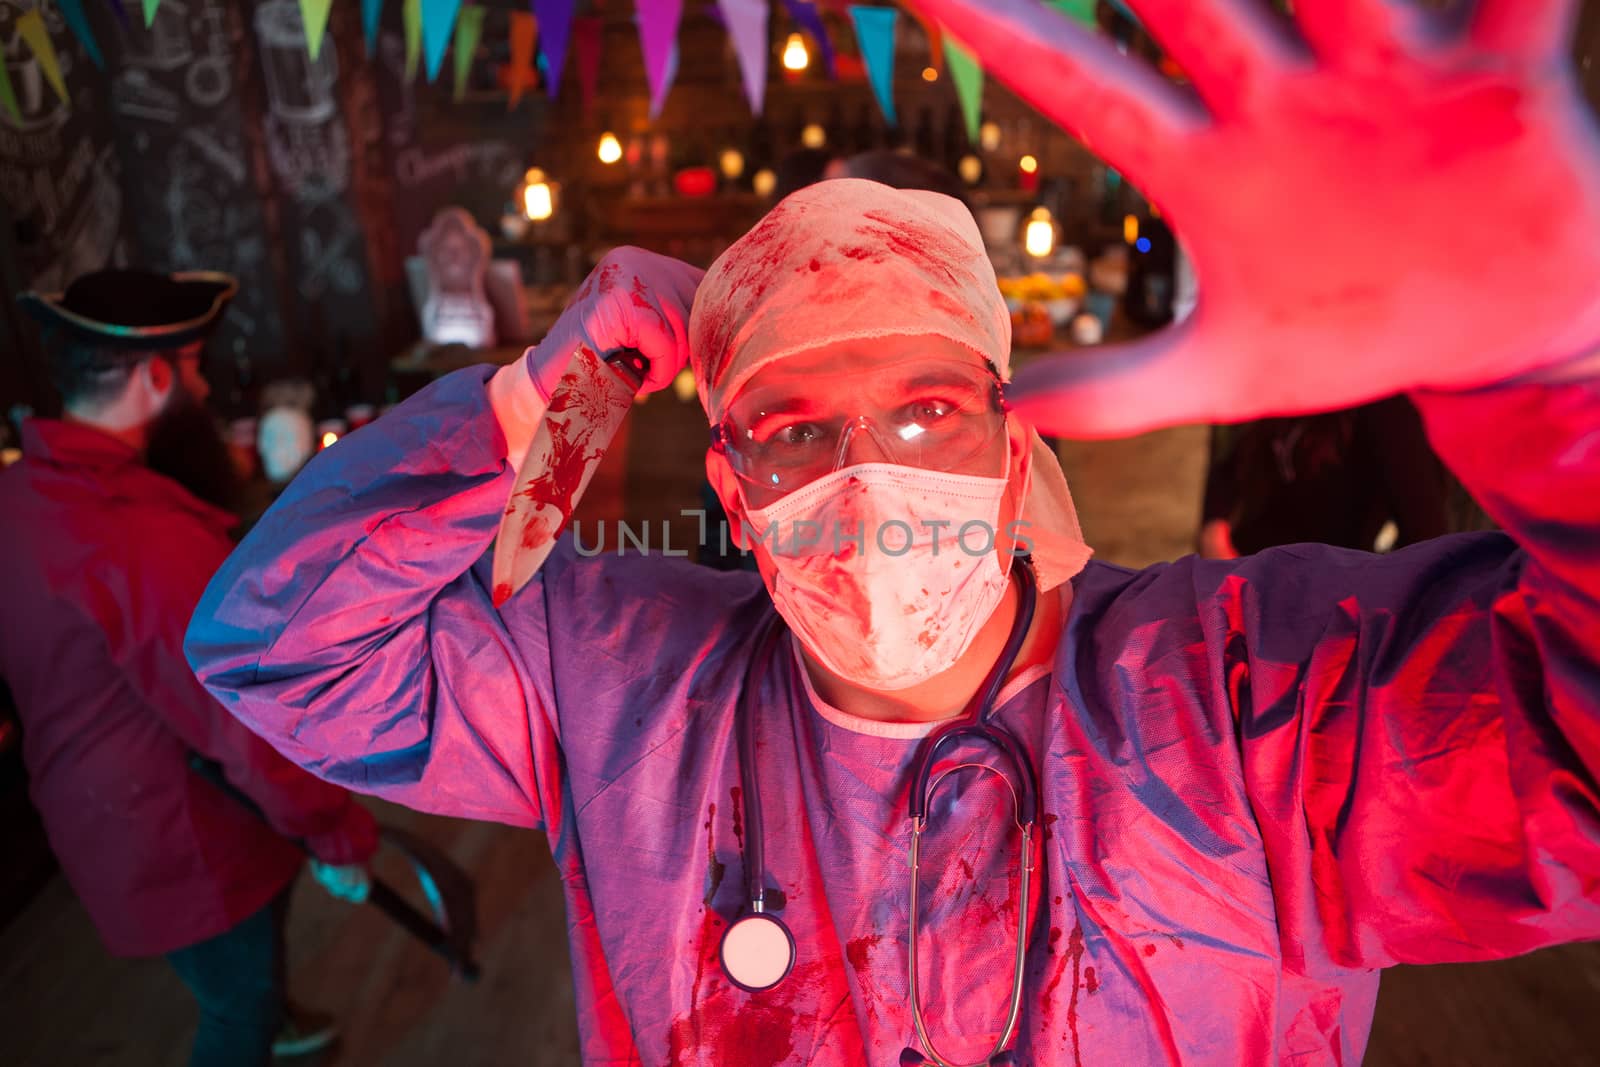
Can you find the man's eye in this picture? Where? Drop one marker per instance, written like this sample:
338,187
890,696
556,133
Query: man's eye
795,435
923,412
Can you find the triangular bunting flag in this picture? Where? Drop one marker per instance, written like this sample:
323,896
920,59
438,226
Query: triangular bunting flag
150,11
72,12
31,28
555,26
747,25
968,76
438,26
875,35
469,28
935,41
586,35
1082,10
411,22
314,17
658,35
810,20
8,98
370,11
523,28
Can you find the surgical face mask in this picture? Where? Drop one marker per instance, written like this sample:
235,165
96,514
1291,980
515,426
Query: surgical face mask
887,572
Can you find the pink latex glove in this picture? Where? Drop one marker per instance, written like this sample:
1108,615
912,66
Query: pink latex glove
632,299
1390,199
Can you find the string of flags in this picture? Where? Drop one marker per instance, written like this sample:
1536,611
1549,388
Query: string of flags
540,36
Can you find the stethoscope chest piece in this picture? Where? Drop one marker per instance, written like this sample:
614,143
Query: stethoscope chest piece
757,952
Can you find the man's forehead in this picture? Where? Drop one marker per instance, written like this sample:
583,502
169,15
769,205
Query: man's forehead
859,368
872,357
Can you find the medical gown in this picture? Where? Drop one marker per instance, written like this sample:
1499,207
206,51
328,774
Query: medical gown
1260,780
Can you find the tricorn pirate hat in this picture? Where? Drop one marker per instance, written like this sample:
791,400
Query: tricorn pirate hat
136,310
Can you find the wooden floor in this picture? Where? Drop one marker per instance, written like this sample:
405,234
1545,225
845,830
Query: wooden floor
63,1002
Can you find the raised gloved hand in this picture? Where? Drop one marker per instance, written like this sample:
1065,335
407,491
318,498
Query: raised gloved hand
632,299
1391,198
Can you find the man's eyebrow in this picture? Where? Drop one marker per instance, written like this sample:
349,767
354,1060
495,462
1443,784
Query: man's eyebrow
789,404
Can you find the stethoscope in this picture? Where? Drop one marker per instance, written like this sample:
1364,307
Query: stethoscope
758,951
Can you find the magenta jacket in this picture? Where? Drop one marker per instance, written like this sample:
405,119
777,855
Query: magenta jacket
102,561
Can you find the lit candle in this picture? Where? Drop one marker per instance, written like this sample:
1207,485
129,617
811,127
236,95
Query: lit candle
795,56
1039,238
329,431
537,201
1028,174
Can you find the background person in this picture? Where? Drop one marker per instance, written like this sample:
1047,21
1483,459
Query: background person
106,547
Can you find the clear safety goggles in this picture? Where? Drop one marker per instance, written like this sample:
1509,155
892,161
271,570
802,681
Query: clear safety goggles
942,415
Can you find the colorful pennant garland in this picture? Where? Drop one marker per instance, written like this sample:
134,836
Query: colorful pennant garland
747,25
150,11
555,26
469,30
371,10
1082,10
968,76
658,36
875,35
438,26
8,98
524,27
411,22
314,17
586,37
31,28
72,13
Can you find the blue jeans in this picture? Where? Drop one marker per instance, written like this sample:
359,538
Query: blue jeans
239,979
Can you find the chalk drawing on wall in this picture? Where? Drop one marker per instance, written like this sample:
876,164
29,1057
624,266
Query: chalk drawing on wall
329,248
38,106
91,237
307,144
135,95
163,45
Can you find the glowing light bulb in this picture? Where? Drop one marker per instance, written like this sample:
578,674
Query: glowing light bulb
929,74
795,56
537,202
813,136
1130,228
1029,165
683,385
1039,239
970,168
329,438
731,163
764,182
989,136
1142,244
610,148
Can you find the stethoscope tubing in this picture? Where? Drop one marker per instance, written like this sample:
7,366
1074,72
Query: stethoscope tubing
976,724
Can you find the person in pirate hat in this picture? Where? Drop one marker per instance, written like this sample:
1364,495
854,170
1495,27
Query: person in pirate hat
112,531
